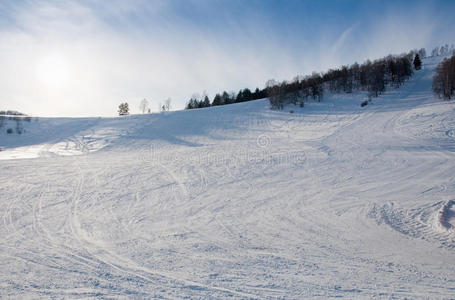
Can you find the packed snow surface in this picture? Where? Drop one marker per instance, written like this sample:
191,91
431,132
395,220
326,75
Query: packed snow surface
332,200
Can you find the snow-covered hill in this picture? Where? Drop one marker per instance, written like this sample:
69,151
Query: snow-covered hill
332,200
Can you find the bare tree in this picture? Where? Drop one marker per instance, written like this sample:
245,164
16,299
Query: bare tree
167,104
422,53
444,79
144,105
274,93
435,51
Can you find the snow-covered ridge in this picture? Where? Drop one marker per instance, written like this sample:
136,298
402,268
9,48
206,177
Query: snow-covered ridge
237,201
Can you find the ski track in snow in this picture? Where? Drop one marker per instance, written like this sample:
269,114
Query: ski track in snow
238,201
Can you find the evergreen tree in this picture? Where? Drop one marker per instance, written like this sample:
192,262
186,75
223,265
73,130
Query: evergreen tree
257,94
239,97
225,99
247,95
206,102
217,100
190,104
417,62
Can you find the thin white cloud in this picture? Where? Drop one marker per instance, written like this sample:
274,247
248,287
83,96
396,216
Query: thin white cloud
340,42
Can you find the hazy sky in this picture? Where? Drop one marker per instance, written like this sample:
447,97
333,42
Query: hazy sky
82,58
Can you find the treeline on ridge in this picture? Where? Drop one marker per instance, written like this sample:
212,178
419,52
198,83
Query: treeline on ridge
371,76
226,98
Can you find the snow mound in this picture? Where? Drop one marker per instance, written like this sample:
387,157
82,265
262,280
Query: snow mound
424,222
447,215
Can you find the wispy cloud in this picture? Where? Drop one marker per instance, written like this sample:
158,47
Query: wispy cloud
342,39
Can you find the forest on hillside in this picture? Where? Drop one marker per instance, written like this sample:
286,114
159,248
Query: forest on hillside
371,76
444,79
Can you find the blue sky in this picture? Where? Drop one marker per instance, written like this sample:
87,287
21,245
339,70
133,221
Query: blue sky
82,58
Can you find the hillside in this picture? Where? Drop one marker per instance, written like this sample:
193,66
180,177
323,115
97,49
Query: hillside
332,200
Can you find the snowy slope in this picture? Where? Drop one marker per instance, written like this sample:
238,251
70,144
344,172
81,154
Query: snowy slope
237,201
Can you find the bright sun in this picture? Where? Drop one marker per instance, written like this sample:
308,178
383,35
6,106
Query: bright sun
53,71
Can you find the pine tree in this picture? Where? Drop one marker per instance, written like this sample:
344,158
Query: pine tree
225,99
247,95
417,62
206,102
217,100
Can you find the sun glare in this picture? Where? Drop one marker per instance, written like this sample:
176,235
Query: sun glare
53,71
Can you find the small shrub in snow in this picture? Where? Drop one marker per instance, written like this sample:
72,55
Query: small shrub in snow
364,103
123,109
9,131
